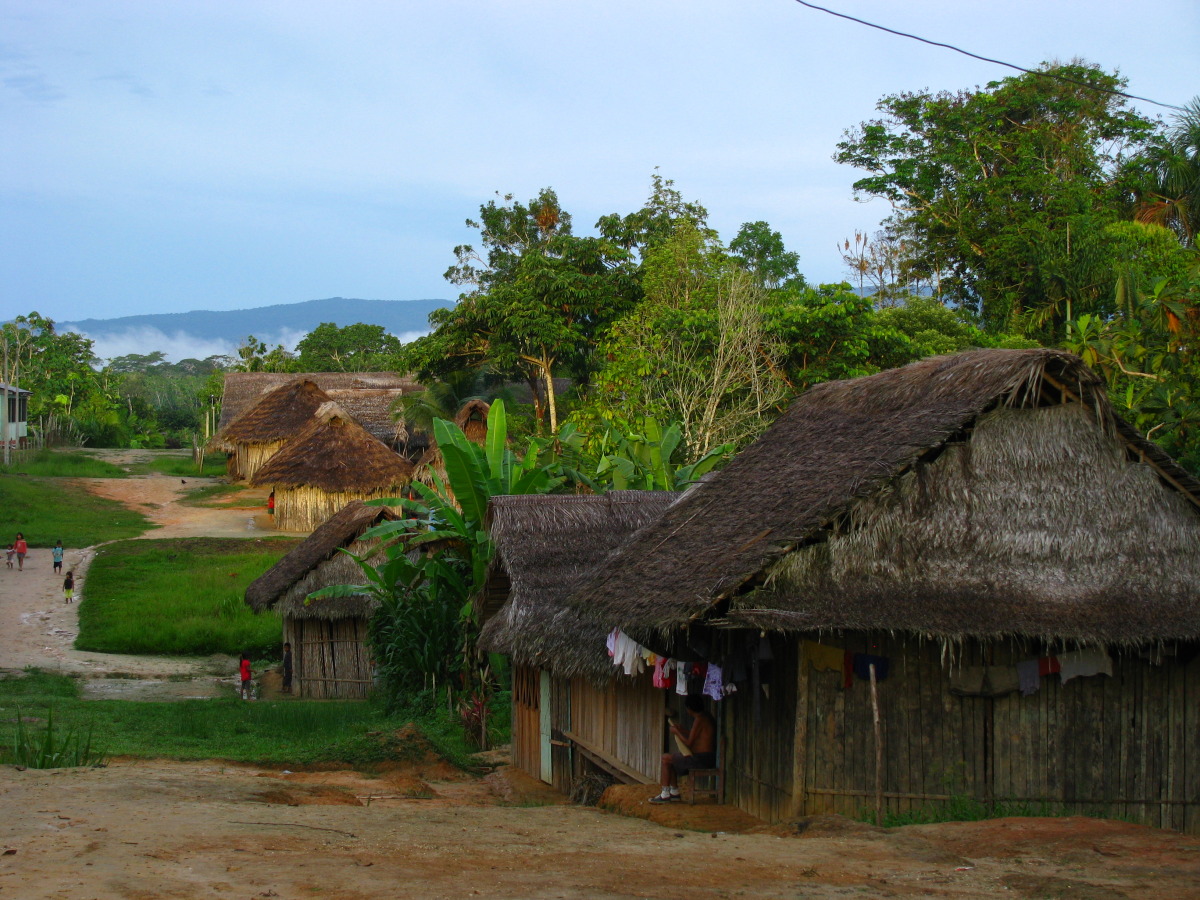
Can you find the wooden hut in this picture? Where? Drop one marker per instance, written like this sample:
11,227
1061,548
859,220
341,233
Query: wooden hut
262,430
566,693
330,463
963,521
472,419
330,658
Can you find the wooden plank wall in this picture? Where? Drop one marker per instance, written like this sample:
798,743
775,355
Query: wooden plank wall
758,756
624,720
1124,746
526,748
330,658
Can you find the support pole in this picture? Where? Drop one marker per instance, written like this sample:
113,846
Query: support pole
878,750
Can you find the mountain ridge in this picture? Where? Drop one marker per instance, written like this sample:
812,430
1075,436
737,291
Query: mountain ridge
399,317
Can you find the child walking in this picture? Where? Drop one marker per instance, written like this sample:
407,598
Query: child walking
69,588
57,552
11,552
245,670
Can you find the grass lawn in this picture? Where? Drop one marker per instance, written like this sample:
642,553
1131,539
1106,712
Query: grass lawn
179,597
175,462
64,464
47,510
285,732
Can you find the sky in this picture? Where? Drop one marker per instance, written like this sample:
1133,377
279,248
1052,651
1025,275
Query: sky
210,154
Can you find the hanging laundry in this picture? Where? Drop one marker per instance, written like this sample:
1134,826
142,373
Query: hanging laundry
681,676
627,654
824,658
649,657
1081,663
664,673
1029,678
611,642
1048,665
863,663
984,681
714,685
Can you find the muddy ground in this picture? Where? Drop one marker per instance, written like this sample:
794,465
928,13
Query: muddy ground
155,829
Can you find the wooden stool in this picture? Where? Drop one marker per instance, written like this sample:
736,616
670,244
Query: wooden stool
714,783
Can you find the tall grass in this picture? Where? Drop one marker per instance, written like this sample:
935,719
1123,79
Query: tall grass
179,597
63,464
45,748
47,510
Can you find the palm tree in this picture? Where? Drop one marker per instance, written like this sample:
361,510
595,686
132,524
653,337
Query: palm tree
1173,198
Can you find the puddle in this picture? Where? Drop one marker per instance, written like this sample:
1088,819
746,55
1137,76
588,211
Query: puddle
154,689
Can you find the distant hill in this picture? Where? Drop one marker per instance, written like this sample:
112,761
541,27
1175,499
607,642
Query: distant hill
400,317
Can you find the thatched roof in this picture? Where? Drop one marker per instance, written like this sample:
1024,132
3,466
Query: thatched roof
852,468
334,453
297,568
372,409
276,416
472,419
546,545
244,389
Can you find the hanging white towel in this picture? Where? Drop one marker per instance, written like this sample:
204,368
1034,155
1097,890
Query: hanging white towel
681,676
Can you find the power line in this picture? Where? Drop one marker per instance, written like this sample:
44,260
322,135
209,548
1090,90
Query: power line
998,62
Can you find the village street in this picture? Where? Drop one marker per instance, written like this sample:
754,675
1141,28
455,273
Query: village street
155,829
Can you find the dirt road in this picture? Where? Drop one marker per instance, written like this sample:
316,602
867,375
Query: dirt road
38,629
200,830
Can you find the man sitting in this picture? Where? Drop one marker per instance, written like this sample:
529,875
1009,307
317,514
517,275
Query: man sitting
701,745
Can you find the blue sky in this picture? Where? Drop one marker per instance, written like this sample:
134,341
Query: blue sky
207,154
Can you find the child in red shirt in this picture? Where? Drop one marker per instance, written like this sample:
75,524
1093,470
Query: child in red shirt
245,670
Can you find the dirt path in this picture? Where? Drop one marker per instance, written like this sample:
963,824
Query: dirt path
201,830
38,629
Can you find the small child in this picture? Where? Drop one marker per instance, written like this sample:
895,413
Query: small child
11,552
57,552
69,588
245,671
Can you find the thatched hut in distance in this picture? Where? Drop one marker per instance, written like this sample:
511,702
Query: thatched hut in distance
330,463
262,430
472,420
566,693
968,525
328,636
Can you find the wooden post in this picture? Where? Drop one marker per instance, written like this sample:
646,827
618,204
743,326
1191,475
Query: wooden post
800,742
878,750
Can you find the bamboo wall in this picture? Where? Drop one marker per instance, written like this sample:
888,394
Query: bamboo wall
329,657
305,508
758,753
1126,745
249,458
624,720
526,748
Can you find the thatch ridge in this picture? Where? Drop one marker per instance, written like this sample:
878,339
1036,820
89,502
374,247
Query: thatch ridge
546,545
275,417
243,389
340,530
335,454
838,443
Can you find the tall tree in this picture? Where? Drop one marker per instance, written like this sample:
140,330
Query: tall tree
1006,191
542,299
351,348
1171,196
761,252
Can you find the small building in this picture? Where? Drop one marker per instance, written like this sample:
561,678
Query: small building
15,423
367,396
264,428
330,656
331,462
571,709
1019,565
